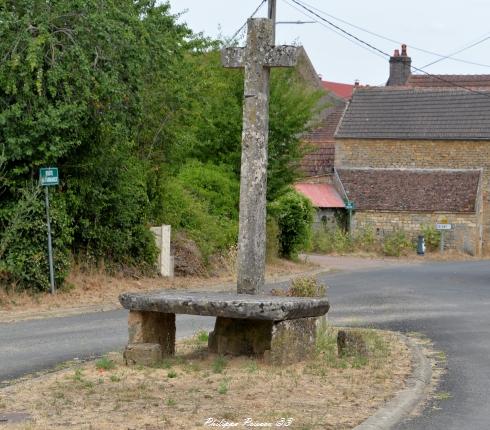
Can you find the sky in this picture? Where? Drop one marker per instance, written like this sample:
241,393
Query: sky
440,26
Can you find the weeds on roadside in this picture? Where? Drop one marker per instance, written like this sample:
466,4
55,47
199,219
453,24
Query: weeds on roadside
105,364
202,336
223,387
219,364
170,402
327,353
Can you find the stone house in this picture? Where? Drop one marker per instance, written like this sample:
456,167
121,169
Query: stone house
417,152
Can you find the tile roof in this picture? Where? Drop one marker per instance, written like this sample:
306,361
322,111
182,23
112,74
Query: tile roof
321,159
449,81
415,190
321,195
417,113
339,89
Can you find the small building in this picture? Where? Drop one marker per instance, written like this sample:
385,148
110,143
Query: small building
327,202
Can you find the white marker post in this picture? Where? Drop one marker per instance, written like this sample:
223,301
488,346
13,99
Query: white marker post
442,228
48,176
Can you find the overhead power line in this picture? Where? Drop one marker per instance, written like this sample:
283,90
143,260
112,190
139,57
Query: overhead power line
450,56
338,33
245,23
426,51
375,49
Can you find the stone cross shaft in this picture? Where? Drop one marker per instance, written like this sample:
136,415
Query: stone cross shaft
256,58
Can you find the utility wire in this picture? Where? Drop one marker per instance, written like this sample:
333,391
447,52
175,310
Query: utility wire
245,23
442,57
331,29
375,49
450,56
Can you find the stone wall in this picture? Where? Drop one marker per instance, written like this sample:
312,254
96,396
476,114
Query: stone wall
463,236
443,154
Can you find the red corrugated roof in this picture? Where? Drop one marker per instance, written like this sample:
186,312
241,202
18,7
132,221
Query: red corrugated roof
339,89
321,195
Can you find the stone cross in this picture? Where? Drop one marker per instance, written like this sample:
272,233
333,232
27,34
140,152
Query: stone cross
256,58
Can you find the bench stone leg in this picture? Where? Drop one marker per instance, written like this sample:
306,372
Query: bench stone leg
151,337
292,341
278,342
240,337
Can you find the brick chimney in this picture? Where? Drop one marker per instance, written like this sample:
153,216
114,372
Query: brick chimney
399,67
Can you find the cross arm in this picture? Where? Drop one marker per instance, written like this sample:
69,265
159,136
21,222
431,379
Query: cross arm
233,57
282,56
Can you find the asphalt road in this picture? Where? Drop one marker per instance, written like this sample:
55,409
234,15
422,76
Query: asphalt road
448,302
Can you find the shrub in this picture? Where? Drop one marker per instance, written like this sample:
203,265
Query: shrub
294,216
303,287
23,244
307,287
332,240
395,243
207,215
432,237
272,239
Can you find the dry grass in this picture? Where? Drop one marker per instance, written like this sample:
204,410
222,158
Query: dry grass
182,393
89,289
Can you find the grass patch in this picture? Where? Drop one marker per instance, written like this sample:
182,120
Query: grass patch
219,364
327,353
105,364
202,336
172,374
223,387
442,395
171,402
252,367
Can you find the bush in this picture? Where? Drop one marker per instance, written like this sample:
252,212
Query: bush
432,237
272,239
110,207
396,243
23,244
202,201
337,240
294,216
307,287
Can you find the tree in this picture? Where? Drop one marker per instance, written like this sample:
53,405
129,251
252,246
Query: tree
215,121
73,80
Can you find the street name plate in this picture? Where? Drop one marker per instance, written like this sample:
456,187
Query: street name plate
48,176
443,226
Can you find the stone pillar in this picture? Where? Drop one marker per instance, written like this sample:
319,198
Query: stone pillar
256,58
151,337
165,262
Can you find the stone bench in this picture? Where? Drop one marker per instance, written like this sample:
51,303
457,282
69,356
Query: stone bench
280,329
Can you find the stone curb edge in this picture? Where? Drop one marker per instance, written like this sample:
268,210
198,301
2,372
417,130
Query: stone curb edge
407,400
105,307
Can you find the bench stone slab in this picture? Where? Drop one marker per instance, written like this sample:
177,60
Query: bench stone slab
240,306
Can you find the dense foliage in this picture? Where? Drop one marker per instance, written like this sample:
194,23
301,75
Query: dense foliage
122,99
294,215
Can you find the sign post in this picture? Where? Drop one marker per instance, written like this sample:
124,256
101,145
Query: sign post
349,205
49,177
442,228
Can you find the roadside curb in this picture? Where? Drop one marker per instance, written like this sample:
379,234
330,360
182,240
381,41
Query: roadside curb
407,400
105,307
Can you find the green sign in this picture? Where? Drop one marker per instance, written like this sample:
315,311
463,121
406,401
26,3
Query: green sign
349,205
48,176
